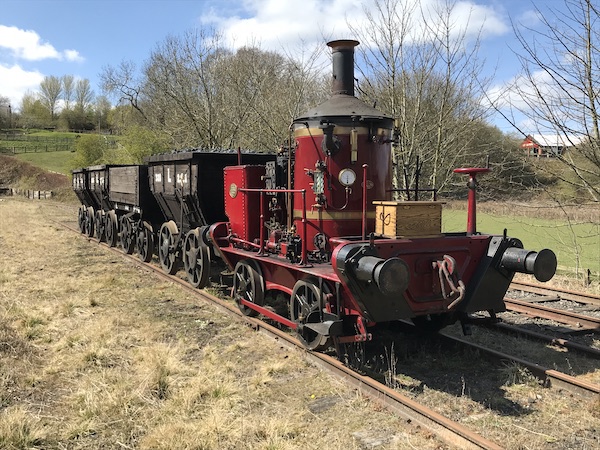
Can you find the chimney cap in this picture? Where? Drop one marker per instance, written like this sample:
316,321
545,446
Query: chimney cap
343,44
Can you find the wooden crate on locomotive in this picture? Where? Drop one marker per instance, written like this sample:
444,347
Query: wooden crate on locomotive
408,218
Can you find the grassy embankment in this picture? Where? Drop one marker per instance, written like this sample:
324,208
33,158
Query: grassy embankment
50,150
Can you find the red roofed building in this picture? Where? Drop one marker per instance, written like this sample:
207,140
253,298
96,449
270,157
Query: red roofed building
548,146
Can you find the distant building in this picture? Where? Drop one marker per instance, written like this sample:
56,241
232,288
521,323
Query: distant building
547,145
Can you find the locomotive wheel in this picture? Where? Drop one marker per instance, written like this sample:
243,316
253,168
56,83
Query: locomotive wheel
196,259
248,284
81,218
89,222
304,308
167,251
100,225
111,231
127,236
145,242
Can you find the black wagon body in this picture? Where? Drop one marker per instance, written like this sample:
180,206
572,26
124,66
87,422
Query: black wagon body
188,186
81,188
129,192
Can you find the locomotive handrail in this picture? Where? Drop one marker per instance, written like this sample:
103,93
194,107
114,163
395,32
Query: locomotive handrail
262,217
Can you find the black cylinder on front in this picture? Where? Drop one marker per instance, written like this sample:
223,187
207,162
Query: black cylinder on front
343,66
390,275
541,264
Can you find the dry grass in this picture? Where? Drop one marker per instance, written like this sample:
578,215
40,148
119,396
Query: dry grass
96,353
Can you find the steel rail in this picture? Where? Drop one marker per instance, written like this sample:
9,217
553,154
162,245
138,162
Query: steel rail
566,294
550,377
578,321
559,342
451,432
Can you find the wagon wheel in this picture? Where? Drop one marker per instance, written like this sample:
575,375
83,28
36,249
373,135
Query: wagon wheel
127,237
248,284
81,218
167,247
145,242
100,225
196,259
111,231
89,222
304,309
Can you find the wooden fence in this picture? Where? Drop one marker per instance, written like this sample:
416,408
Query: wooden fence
28,193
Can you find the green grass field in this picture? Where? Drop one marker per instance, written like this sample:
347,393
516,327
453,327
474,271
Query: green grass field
580,241
51,161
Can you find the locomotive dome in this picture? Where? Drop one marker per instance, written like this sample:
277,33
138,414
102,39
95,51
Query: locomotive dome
342,101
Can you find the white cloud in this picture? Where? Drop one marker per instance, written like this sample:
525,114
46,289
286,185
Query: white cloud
27,45
276,24
73,55
16,82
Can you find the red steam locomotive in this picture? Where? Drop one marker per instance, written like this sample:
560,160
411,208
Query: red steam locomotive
311,235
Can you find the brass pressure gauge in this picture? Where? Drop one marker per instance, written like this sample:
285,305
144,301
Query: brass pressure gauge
347,177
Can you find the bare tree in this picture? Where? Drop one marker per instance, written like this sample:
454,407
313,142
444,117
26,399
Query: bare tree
84,95
558,90
181,89
68,86
423,70
206,95
50,92
122,83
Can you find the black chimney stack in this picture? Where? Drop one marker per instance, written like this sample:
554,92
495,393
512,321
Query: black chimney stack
343,66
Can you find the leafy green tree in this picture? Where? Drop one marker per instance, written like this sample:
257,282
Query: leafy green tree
89,150
140,142
5,112
33,113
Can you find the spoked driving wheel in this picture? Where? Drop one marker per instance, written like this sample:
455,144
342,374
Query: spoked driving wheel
145,242
248,284
89,222
305,309
100,225
81,218
111,231
196,259
127,236
167,247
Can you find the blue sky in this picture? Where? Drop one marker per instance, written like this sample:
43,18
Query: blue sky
79,37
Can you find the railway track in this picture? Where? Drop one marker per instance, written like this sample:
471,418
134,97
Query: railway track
448,430
556,293
579,322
